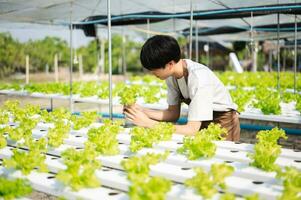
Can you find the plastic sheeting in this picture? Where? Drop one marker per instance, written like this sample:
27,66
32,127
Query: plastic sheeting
57,12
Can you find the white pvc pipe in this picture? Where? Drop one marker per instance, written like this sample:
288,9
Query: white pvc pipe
56,68
278,52
208,54
190,33
253,50
71,58
196,42
123,53
148,27
27,69
295,56
173,20
110,59
80,66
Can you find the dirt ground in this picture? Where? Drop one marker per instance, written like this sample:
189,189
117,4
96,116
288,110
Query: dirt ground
35,195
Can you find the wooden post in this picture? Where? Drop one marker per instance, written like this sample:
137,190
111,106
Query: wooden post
27,69
123,55
47,69
255,50
190,32
80,65
56,68
97,71
102,56
119,65
270,60
284,59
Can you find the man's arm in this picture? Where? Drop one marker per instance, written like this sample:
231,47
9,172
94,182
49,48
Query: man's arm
140,118
188,129
172,114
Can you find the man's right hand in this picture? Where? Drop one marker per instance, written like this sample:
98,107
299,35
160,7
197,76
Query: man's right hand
135,106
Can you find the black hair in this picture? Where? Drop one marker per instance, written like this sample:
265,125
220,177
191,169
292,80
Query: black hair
158,50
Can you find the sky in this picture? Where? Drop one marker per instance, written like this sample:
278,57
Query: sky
25,32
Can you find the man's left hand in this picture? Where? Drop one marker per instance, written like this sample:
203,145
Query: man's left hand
138,117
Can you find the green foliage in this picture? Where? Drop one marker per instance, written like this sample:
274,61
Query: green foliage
12,56
81,167
42,52
140,138
138,167
150,94
263,95
90,56
32,110
118,87
128,95
252,197
146,137
48,88
4,117
201,144
84,120
104,91
208,184
3,142
143,186
12,189
150,189
26,161
58,134
85,89
57,115
219,172
164,130
24,129
147,79
12,106
241,98
268,102
266,150
259,79
291,178
105,138
227,196
288,97
91,52
182,41
22,115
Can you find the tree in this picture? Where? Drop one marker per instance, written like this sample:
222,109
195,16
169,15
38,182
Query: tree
11,55
42,52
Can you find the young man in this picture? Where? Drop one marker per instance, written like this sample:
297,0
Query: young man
188,82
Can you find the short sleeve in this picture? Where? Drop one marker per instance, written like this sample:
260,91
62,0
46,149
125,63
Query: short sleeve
201,105
173,94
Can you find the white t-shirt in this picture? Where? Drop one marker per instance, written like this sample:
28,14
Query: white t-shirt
206,92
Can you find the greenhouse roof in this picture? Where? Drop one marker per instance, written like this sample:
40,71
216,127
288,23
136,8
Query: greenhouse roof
212,14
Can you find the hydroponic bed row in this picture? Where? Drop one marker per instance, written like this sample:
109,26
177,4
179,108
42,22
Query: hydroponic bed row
288,111
78,157
248,90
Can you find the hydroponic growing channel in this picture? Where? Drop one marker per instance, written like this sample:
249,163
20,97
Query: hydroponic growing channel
89,159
